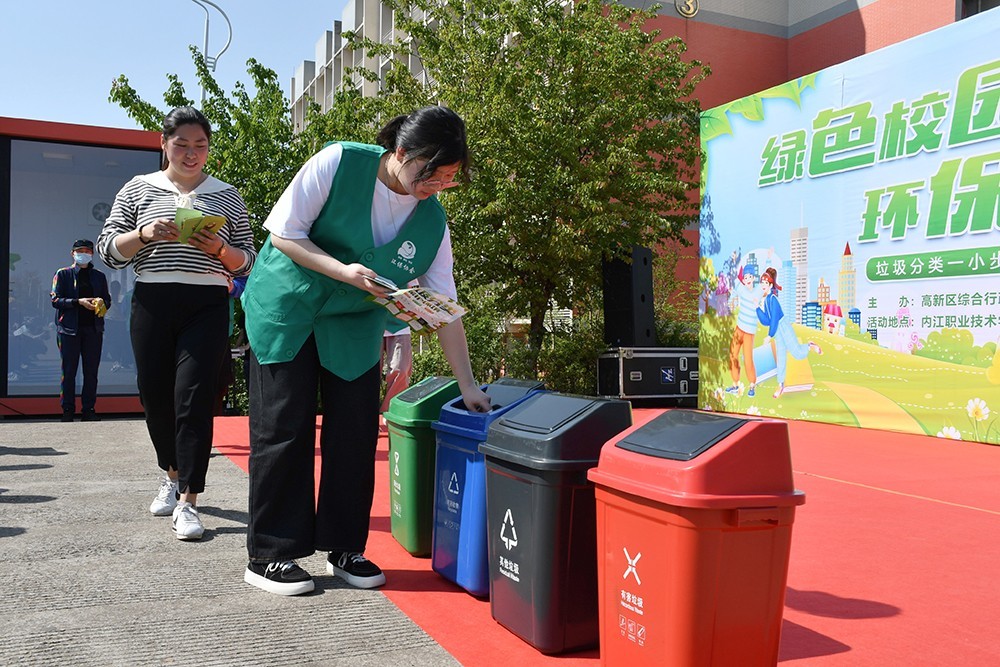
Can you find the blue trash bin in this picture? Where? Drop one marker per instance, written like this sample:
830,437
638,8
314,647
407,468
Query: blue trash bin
459,551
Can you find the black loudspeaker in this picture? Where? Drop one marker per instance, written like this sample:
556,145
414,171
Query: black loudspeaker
628,300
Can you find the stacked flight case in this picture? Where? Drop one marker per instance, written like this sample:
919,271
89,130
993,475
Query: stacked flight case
667,374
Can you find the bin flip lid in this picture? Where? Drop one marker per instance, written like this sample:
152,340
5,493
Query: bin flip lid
514,382
421,404
549,415
699,460
418,392
680,435
504,394
551,431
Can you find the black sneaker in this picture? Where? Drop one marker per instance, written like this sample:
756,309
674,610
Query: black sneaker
355,569
67,416
283,577
90,416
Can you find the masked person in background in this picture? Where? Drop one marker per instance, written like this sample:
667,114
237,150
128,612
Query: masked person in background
80,296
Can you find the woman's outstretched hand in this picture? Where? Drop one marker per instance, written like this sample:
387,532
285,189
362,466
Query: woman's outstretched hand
476,400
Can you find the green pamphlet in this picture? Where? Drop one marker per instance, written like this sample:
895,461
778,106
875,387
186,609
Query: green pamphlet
190,222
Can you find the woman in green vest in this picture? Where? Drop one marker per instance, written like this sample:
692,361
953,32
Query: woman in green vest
352,212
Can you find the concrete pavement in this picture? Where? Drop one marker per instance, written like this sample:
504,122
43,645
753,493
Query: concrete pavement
90,577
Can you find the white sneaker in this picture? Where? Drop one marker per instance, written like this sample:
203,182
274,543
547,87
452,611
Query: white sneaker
355,569
187,523
166,498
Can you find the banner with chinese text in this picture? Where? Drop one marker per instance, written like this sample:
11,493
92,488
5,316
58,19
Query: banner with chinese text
850,242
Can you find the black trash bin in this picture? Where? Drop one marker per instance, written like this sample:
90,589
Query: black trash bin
541,516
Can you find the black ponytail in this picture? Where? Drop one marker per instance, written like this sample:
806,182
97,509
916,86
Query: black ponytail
387,135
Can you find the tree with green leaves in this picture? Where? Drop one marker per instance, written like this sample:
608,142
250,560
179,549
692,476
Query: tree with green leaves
582,128
584,137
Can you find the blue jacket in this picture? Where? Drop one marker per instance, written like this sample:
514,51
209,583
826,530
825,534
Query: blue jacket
64,298
770,315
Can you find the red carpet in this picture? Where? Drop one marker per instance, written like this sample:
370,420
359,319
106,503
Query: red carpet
893,562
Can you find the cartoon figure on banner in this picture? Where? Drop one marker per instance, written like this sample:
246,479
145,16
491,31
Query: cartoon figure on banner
718,300
907,340
833,317
779,329
746,329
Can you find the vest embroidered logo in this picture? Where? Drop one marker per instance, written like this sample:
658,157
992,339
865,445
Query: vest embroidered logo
404,256
407,250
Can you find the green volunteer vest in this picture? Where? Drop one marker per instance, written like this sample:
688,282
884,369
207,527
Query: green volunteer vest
286,303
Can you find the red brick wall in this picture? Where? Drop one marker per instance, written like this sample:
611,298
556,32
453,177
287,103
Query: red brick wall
745,62
742,62
874,26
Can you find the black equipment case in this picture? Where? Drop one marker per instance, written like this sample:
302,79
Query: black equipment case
650,372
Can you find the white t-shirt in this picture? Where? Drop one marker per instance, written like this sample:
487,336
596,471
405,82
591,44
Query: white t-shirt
301,202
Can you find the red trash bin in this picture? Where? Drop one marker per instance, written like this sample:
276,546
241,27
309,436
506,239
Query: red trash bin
694,527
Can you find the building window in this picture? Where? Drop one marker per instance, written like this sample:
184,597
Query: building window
972,7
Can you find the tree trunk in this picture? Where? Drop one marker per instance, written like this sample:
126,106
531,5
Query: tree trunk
536,332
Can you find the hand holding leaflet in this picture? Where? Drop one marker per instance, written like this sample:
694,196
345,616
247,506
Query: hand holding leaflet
190,222
382,281
423,310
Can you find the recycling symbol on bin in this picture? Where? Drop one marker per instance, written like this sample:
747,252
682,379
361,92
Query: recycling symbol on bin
509,541
453,484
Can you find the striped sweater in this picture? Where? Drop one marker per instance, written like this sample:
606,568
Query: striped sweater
146,198
748,297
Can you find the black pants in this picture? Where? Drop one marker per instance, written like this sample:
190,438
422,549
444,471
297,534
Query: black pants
85,345
179,335
286,521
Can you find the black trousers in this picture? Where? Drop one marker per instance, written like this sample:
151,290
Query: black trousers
179,337
286,520
85,345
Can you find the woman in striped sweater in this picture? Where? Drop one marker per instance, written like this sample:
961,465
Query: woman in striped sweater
180,310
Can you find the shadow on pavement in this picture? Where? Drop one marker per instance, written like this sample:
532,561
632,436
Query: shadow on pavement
31,451
819,603
798,642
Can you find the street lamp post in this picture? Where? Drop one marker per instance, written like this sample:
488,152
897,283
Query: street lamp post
212,60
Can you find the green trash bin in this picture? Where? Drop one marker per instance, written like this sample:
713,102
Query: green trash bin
412,445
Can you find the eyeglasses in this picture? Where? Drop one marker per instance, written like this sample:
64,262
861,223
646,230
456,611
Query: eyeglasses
439,185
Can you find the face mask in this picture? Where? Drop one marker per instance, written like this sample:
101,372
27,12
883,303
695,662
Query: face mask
82,258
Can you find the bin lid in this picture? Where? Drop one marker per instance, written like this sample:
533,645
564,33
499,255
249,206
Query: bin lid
554,431
504,394
701,460
421,404
680,434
